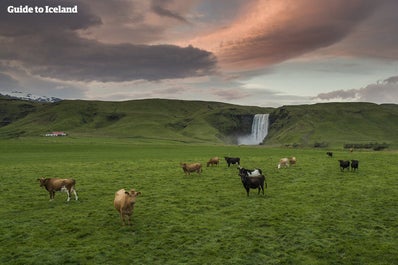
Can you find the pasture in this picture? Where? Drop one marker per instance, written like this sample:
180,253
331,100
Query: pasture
312,213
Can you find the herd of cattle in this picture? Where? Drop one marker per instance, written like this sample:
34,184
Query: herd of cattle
124,201
345,164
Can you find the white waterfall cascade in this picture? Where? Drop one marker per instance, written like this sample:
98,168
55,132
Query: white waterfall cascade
259,130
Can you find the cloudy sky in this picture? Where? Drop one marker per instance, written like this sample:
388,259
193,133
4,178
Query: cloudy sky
247,52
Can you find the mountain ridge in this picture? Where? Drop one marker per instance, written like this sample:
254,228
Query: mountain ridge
331,124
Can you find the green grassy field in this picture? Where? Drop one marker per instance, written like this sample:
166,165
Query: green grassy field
312,213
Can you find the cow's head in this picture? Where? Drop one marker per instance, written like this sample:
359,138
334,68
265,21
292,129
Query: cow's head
42,181
131,195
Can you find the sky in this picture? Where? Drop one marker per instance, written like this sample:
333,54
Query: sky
265,53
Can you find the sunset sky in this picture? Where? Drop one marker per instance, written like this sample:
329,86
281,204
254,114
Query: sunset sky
247,52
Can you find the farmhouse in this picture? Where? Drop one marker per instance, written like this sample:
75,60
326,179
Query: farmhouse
56,134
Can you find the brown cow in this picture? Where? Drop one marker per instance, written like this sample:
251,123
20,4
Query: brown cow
57,184
194,167
124,204
213,161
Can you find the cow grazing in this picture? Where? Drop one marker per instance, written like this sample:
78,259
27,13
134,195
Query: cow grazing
344,164
56,184
250,172
283,162
330,154
256,182
194,167
124,203
232,160
213,161
292,160
354,165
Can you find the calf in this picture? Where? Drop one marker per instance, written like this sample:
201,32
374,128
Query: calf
344,164
354,165
194,167
213,161
232,160
283,162
56,184
256,182
124,203
292,160
250,172
330,154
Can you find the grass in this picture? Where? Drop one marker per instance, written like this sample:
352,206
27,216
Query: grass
312,213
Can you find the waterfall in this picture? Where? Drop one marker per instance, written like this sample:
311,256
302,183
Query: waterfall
259,130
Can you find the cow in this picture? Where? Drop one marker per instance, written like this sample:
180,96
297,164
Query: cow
283,162
354,165
124,203
213,161
330,154
194,167
250,172
57,184
232,160
344,164
292,160
256,182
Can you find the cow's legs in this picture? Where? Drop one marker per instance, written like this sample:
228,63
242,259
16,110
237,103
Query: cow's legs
122,218
67,192
52,194
75,193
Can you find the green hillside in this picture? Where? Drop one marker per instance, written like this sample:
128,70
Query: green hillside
154,119
331,124
334,124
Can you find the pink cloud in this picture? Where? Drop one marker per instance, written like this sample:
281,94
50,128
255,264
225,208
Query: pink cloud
271,31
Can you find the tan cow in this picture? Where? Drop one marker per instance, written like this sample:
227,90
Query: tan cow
56,184
194,167
213,161
283,162
124,204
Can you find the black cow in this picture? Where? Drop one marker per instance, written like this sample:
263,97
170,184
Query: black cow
256,182
250,172
329,154
232,160
344,164
354,165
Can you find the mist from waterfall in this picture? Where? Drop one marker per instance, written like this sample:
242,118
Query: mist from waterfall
259,130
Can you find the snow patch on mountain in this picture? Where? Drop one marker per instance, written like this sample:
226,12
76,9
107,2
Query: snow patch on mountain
29,96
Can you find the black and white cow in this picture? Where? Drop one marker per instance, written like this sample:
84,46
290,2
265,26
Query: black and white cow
250,172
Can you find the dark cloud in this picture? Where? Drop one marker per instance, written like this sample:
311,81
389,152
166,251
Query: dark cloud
160,8
14,25
376,37
385,91
50,46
